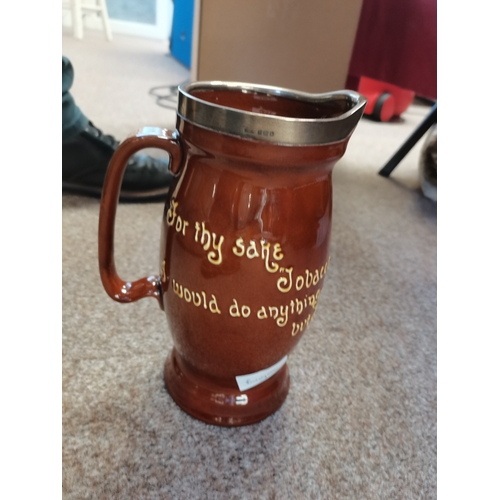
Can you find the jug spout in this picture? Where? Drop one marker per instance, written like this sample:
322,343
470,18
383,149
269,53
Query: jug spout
271,114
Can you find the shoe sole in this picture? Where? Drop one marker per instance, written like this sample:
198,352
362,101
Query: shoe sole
125,196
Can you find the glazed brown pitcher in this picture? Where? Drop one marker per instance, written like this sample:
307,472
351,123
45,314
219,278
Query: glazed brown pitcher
245,238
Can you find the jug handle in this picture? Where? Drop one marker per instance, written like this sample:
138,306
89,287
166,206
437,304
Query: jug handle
116,288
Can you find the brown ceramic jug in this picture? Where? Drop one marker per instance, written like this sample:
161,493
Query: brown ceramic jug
245,238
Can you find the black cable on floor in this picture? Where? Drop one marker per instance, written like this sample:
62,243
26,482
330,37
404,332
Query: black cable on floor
165,95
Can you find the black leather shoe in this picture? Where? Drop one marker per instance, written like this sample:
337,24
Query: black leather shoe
85,159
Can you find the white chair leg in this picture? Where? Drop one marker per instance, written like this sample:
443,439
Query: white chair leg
105,19
77,18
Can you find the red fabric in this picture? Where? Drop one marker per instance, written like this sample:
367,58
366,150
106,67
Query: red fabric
396,42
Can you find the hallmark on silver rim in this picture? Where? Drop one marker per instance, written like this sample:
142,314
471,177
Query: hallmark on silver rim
272,128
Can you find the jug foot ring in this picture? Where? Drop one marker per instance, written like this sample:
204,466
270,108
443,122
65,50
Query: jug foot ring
223,406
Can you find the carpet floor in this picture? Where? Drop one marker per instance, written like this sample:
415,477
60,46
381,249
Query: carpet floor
360,418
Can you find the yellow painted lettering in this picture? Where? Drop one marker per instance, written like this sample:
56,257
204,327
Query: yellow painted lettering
271,267
163,272
316,297
245,311
234,310
171,213
205,237
252,250
308,280
284,283
312,301
277,252
196,299
300,306
308,320
239,248
262,313
177,289
214,308
215,257
316,277
283,319
299,283
273,312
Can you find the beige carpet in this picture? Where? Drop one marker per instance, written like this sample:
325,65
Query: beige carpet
360,418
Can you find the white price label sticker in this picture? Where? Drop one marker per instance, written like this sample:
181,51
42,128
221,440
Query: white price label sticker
246,382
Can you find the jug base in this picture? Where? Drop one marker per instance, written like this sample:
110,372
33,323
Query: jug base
220,405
